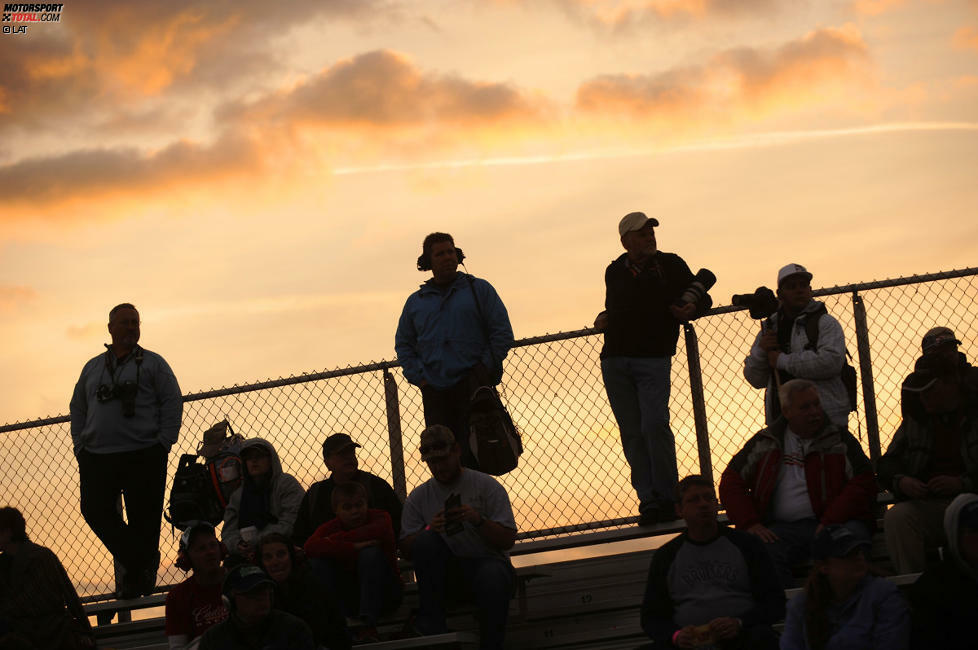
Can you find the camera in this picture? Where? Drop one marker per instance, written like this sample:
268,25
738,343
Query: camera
702,281
124,392
760,304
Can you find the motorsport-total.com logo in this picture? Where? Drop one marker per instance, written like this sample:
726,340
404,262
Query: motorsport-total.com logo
17,15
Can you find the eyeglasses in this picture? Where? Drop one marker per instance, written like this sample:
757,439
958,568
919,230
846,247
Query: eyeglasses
435,446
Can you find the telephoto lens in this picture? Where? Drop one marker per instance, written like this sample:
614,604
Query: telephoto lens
702,281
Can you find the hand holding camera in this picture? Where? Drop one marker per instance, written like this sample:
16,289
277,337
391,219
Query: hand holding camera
453,518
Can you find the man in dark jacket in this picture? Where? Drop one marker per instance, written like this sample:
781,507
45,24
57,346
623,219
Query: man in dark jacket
643,310
253,624
930,460
711,584
340,457
945,597
796,476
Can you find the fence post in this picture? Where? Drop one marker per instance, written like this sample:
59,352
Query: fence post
866,375
699,403
394,433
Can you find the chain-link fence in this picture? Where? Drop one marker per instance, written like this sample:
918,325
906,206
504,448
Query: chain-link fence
572,476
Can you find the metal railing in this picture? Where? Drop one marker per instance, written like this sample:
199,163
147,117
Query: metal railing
572,475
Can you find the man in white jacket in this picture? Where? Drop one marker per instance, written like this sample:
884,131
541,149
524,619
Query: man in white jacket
784,350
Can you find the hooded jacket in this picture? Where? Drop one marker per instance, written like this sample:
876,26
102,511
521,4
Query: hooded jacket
944,599
839,476
821,365
286,495
442,334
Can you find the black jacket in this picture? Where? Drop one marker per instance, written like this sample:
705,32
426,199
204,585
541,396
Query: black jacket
639,321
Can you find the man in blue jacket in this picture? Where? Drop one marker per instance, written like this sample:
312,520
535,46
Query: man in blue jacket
452,337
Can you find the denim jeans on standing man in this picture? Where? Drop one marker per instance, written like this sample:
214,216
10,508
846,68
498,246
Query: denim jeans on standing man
638,391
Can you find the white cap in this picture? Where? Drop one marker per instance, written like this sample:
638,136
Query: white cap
793,269
634,221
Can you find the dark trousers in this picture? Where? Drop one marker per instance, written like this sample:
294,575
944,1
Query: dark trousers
140,477
369,590
488,582
450,407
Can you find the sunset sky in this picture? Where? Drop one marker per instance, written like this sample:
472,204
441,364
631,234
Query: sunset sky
257,177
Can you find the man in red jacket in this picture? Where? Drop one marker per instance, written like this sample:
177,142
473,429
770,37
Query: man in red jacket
796,476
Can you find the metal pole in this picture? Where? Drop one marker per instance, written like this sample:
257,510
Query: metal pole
394,432
699,403
866,375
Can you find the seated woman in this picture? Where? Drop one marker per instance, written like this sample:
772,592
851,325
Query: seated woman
299,593
843,606
195,604
267,501
39,607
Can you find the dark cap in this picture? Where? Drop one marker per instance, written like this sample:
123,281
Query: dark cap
243,578
337,442
192,530
436,442
836,541
936,337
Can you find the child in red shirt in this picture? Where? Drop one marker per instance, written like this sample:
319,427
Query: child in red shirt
355,553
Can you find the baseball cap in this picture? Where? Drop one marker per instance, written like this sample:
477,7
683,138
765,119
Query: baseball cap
793,269
337,442
936,337
436,442
243,578
635,221
836,541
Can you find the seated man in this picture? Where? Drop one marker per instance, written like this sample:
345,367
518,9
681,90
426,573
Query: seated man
340,457
929,461
794,477
252,623
457,529
945,597
711,584
939,343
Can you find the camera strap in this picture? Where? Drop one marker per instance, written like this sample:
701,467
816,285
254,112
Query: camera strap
136,355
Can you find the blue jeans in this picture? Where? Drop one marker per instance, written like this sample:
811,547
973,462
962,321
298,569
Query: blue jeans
371,590
638,391
488,582
794,545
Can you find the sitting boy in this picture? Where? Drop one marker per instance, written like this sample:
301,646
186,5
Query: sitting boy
355,553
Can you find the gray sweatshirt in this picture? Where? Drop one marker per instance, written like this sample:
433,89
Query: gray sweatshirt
101,428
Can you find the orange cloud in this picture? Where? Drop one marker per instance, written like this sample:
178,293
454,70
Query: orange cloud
85,332
104,172
385,89
13,297
738,80
966,38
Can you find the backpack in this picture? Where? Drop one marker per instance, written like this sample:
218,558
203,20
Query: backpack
192,497
201,490
848,373
493,437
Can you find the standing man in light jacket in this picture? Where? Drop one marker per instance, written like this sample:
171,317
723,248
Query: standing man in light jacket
452,337
783,350
125,415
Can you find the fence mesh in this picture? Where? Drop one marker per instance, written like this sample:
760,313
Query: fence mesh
573,473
